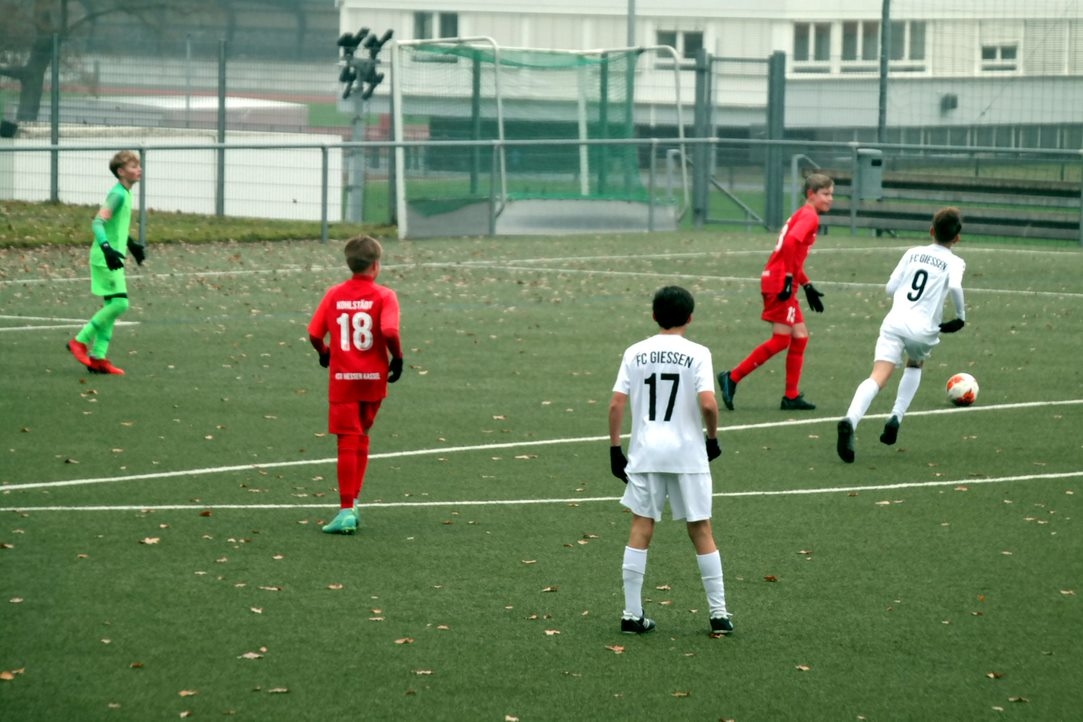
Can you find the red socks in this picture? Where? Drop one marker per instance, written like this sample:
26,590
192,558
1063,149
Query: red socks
353,460
795,360
760,355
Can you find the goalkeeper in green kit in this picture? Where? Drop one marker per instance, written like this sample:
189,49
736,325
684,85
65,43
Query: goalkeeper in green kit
107,253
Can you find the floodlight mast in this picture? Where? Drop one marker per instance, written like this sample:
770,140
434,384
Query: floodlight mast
359,74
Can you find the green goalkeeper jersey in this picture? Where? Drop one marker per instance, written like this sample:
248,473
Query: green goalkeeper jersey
111,223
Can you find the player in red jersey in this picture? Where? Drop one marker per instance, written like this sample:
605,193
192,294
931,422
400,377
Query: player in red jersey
364,356
784,271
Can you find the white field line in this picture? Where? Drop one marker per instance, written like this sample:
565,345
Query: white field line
749,279
956,483
525,264
55,322
8,488
506,265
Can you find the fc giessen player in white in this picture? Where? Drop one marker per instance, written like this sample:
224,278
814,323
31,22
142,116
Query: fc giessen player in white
924,277
667,382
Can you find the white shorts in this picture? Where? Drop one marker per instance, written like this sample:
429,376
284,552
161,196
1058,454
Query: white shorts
689,495
890,347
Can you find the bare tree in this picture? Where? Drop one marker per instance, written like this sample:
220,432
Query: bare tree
26,35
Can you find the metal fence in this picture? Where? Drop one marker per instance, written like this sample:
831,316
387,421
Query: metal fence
880,188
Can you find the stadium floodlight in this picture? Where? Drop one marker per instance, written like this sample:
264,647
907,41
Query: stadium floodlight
360,72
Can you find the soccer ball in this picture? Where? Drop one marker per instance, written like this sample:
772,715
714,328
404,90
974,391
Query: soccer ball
962,389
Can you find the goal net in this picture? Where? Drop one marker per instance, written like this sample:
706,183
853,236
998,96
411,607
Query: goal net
521,140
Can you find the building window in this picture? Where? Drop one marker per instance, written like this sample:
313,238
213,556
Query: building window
1000,58
860,45
435,25
686,42
811,47
907,46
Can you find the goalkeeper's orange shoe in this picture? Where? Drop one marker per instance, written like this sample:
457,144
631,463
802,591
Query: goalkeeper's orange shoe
79,351
103,366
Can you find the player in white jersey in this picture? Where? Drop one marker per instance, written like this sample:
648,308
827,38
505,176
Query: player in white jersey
669,382
924,277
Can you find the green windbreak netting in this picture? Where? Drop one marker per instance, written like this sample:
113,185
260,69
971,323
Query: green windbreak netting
461,91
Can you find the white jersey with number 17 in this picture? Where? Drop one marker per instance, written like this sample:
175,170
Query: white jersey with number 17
663,377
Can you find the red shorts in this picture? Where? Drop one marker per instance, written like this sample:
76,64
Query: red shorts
352,417
786,312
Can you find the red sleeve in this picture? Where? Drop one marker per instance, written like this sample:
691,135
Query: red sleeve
801,236
389,323
317,327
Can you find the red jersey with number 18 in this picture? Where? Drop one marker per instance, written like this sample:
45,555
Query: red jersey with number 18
362,318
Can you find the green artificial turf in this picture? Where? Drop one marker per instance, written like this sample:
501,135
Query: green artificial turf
160,551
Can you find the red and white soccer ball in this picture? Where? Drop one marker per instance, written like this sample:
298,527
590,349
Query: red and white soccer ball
962,389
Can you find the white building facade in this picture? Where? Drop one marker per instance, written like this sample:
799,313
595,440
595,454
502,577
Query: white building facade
997,73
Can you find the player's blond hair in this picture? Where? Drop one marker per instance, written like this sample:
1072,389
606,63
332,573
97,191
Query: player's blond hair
362,252
120,160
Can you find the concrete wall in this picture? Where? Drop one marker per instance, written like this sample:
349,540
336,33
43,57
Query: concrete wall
261,181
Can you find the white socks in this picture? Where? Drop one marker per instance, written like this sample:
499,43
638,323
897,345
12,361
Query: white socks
633,569
710,569
866,392
908,389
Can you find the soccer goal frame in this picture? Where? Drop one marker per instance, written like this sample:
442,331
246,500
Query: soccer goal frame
496,144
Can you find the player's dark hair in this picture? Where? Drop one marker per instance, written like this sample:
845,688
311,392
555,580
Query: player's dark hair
947,224
673,306
362,252
817,182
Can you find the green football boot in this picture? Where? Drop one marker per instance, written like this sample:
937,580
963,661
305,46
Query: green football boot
343,523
